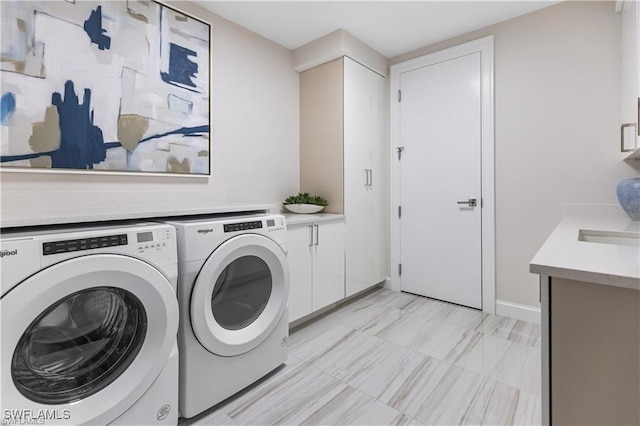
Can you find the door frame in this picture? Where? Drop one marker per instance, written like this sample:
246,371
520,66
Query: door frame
485,47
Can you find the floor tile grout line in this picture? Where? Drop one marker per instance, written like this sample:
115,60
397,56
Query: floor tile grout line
408,351
488,375
449,367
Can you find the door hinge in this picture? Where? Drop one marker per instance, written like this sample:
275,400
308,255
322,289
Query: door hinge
399,211
399,268
399,95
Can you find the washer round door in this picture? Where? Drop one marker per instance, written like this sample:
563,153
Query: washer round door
82,340
240,294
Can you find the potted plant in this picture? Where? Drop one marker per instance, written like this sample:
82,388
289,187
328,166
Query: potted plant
304,202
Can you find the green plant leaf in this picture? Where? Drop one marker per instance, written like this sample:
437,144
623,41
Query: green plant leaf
306,198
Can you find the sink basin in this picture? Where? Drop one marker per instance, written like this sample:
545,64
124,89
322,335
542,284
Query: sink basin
619,238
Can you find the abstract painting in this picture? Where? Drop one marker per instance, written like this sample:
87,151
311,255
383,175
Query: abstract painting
104,86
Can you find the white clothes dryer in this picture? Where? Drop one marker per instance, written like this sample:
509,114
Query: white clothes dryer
89,325
233,288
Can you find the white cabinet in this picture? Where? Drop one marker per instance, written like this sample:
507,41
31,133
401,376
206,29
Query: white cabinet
316,266
365,177
342,127
300,261
630,81
328,263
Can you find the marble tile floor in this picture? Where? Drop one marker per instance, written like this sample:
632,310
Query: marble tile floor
393,358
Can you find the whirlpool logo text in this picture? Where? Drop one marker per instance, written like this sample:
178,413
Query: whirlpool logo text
4,253
205,231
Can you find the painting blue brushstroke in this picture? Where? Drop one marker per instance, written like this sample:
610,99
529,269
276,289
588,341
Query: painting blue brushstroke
81,143
7,106
184,131
181,68
93,28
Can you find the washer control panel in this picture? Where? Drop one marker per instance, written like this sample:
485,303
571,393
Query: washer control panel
152,240
276,224
140,241
66,246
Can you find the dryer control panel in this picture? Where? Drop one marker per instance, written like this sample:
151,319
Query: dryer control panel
242,226
270,224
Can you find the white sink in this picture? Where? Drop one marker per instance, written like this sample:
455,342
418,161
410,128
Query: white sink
619,238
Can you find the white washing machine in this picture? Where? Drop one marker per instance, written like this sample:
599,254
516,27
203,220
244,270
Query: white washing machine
233,288
89,325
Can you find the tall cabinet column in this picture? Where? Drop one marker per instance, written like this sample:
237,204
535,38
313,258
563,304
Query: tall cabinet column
342,127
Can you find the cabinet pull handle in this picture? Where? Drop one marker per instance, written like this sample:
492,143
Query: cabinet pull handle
317,234
310,235
368,177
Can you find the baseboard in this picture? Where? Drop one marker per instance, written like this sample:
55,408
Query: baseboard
387,283
517,311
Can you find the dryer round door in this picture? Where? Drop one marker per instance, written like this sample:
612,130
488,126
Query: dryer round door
240,294
82,340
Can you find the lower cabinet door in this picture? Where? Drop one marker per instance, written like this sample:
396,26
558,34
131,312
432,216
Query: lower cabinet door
300,268
328,263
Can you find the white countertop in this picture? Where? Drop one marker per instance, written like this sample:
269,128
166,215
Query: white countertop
294,219
563,255
122,212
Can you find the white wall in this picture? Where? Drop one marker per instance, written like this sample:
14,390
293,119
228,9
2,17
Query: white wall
255,136
557,112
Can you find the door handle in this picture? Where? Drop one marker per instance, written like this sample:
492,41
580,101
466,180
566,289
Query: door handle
317,234
370,177
471,202
310,235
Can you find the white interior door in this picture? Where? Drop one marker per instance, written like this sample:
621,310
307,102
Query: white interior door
440,170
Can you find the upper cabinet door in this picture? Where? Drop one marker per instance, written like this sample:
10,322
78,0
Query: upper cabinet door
365,176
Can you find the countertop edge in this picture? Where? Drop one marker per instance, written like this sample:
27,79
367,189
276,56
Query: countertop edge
565,255
135,213
294,219
586,276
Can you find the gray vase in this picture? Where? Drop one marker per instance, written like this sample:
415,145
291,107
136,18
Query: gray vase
628,191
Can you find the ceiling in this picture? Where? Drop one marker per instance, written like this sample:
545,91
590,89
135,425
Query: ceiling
390,27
